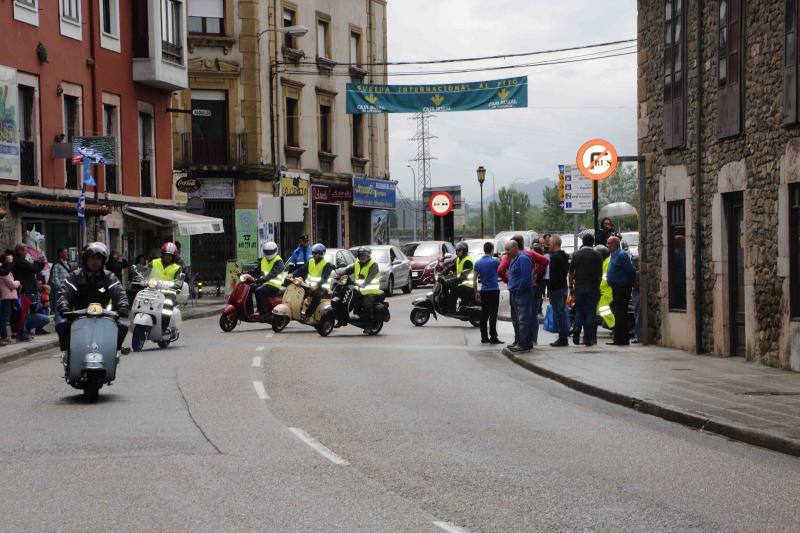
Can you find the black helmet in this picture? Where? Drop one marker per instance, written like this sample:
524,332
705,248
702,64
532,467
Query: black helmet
363,250
462,247
95,249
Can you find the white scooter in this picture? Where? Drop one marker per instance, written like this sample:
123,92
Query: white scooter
155,307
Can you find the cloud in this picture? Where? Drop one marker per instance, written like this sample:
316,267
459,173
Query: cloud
568,104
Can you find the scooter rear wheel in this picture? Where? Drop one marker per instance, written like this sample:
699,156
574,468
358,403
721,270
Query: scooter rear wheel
279,323
375,329
227,322
91,393
138,338
163,344
420,317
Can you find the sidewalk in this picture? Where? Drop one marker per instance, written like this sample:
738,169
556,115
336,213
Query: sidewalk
205,307
743,401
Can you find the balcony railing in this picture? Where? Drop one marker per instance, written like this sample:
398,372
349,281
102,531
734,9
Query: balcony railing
171,52
193,150
145,173
27,163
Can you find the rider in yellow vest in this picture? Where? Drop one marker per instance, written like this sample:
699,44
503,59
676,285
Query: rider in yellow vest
166,269
269,276
367,276
317,273
606,294
463,285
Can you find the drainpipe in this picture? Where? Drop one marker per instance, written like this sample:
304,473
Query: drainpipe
95,123
698,227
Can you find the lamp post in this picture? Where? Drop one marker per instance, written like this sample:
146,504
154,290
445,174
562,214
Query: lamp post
481,172
415,200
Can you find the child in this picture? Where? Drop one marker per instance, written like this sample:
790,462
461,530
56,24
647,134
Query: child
44,298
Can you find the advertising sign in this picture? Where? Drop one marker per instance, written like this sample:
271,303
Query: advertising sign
380,226
247,246
364,98
576,189
99,150
323,193
232,271
215,189
378,194
186,248
295,184
9,127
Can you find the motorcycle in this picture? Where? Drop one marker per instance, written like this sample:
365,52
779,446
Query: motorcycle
240,308
296,299
343,293
148,313
436,301
92,359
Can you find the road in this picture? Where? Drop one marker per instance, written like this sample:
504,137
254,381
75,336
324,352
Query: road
418,429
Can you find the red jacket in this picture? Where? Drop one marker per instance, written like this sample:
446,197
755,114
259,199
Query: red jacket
540,263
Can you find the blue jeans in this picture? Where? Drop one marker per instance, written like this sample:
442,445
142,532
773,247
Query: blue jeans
637,315
5,316
586,297
36,321
558,301
523,302
537,295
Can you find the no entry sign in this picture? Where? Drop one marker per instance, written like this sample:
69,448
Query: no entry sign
597,159
440,204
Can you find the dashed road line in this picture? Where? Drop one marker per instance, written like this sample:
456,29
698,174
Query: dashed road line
259,348
318,447
269,335
256,362
260,390
450,528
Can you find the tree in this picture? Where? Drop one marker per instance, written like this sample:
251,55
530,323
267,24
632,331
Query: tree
622,186
502,209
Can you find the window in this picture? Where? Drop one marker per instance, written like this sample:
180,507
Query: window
70,23
207,17
358,136
292,121
676,248
71,130
729,75
325,126
141,39
323,39
289,19
109,24
27,11
355,48
27,134
794,248
146,167
790,63
171,37
210,128
674,83
111,128
69,9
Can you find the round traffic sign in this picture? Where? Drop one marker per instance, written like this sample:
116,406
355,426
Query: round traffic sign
440,204
597,159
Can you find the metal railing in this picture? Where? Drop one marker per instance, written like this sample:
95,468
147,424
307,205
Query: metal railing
145,174
193,150
27,163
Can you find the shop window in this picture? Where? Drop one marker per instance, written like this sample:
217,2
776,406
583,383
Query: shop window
207,17
71,130
794,248
292,121
729,62
676,249
674,74
289,19
323,38
27,134
111,129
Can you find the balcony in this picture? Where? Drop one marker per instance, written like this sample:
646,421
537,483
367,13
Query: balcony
159,44
27,163
195,151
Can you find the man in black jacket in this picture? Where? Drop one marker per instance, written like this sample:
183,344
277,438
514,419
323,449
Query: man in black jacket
586,272
91,284
25,271
559,268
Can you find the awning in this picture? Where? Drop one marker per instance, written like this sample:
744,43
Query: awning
186,223
60,206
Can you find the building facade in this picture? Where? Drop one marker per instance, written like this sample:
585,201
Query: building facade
76,68
718,125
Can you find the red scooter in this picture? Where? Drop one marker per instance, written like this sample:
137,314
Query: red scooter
240,308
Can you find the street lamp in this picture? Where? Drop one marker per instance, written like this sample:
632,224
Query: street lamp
415,200
294,31
481,178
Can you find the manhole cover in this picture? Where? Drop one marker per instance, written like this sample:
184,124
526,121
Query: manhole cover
769,393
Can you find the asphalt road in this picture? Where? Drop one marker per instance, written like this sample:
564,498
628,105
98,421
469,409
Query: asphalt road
418,429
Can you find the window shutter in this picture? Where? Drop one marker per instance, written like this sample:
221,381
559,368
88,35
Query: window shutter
790,64
729,93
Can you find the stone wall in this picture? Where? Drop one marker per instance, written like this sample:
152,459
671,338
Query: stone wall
757,152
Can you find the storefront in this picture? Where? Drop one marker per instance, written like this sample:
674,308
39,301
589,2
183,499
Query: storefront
211,251
328,214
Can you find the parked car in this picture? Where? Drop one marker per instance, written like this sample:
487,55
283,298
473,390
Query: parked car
476,248
340,257
630,241
395,268
503,237
424,253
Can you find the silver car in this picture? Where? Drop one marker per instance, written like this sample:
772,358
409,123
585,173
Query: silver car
394,266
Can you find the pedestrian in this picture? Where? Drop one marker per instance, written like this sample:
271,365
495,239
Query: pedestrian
25,271
489,294
8,297
620,275
300,255
60,271
539,263
586,272
155,249
116,264
557,288
606,230
520,289
179,255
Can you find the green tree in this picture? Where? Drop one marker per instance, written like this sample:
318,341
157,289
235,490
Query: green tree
501,208
621,186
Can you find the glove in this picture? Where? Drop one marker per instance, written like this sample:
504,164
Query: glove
124,313
261,280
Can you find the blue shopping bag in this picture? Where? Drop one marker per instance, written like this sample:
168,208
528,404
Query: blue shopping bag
549,323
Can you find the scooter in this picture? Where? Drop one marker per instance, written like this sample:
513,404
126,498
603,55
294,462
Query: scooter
92,359
436,303
149,313
240,308
343,293
296,299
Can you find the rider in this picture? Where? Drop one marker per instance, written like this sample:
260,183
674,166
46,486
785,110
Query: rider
91,284
167,269
463,285
317,273
270,276
368,277
300,255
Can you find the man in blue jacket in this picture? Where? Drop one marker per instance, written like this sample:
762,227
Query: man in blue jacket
302,254
620,275
520,289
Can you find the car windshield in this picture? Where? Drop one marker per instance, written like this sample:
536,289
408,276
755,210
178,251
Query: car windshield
475,246
631,238
422,249
381,255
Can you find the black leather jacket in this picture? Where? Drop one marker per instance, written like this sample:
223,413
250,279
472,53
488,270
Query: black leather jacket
82,288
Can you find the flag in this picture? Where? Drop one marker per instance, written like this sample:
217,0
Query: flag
82,207
87,175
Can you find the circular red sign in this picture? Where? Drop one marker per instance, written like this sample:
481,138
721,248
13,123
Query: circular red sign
440,204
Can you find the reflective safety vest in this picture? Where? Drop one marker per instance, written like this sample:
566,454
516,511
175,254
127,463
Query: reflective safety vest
315,273
361,274
606,296
164,273
266,268
470,281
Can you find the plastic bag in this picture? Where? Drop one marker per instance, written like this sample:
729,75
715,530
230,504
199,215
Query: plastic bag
549,323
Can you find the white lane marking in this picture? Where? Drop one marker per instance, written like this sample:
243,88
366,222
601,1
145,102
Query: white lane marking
318,446
259,348
270,334
260,390
450,528
256,362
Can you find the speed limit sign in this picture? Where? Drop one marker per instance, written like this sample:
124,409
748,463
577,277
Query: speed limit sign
597,159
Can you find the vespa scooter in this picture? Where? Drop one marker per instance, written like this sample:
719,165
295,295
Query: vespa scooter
296,300
92,359
240,308
436,301
149,314
342,301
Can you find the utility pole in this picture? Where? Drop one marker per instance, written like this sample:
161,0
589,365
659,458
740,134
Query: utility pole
423,160
415,204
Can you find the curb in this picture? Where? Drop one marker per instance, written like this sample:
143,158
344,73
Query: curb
33,349
744,434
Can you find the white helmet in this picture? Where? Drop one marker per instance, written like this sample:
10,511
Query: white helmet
270,250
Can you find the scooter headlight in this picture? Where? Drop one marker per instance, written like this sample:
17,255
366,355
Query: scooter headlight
152,283
241,278
94,309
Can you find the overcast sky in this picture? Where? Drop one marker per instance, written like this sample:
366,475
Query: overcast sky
567,104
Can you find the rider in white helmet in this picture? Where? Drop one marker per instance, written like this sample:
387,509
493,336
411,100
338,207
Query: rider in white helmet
269,275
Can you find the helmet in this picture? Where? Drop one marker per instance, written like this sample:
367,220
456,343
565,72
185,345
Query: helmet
318,248
270,249
94,249
363,250
602,249
169,248
462,247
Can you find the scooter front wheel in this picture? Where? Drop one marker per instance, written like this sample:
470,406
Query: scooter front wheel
279,323
326,325
420,317
227,322
139,337
375,329
163,344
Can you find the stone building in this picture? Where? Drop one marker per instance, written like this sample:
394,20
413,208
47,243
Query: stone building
718,125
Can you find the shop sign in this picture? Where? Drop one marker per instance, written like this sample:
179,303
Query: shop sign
9,140
215,189
322,193
380,226
187,184
295,184
247,248
377,194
